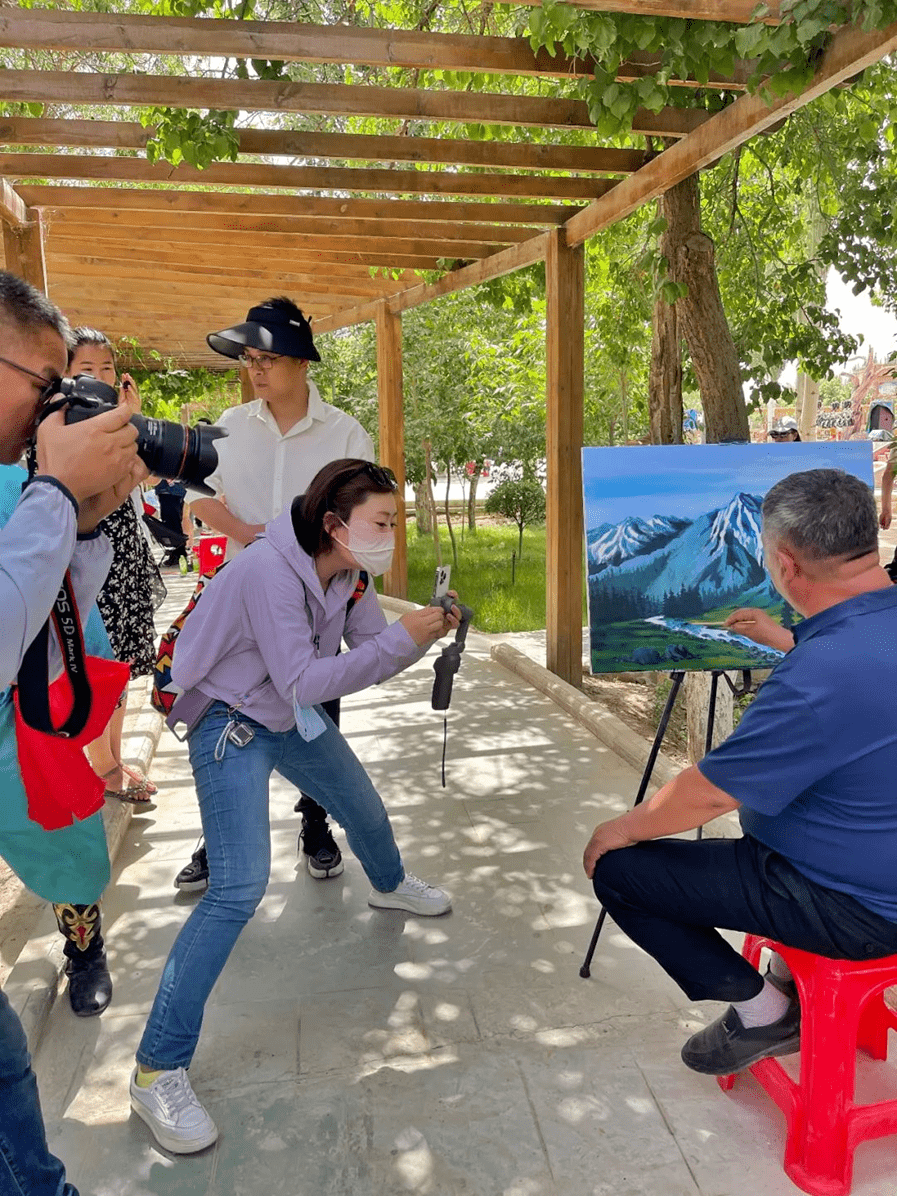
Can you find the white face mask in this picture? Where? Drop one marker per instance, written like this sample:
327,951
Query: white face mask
371,548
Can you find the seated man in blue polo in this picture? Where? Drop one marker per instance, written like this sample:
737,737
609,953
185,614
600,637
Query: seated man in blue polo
810,768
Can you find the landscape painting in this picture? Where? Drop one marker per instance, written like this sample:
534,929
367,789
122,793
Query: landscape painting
673,547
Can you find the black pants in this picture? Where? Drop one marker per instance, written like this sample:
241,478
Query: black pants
670,895
307,806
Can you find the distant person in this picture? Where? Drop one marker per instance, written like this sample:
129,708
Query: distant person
887,490
275,446
810,769
256,660
784,430
174,513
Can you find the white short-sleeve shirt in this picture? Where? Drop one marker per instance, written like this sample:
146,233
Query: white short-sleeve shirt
261,469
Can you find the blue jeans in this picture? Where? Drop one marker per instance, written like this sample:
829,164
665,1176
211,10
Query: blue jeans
670,895
233,804
26,1166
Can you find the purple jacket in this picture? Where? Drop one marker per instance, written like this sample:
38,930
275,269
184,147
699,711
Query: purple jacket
264,626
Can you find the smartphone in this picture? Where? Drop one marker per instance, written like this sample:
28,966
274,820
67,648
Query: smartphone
441,581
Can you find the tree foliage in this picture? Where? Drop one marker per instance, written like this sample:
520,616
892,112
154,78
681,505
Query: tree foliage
522,500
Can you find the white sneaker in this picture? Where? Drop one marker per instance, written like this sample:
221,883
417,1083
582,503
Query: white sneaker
414,895
170,1108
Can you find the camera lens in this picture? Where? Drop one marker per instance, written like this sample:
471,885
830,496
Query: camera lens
174,451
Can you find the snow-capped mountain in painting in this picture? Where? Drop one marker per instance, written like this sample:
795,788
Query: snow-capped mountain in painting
677,566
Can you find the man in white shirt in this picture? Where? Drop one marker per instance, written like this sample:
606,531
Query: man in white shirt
275,446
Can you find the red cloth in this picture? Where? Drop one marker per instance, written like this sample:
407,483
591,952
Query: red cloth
59,782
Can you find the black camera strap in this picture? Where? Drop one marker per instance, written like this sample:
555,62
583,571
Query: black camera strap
34,675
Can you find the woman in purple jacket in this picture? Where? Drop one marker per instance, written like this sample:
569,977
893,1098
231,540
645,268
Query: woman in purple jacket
257,657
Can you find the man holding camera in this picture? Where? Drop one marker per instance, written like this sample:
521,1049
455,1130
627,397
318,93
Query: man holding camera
275,446
84,471
810,769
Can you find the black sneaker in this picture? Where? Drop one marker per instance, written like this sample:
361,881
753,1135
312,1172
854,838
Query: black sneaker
194,878
726,1046
322,856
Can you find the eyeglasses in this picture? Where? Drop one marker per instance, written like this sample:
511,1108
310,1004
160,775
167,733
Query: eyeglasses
263,362
780,435
49,384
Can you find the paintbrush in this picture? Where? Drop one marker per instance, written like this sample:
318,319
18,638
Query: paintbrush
704,623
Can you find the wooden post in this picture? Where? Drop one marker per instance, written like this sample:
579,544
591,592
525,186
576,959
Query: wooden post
23,248
392,434
565,315
247,394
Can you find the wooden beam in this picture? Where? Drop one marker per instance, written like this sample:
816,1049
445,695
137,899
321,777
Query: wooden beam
393,250
564,323
358,147
275,247
129,270
13,209
325,99
850,51
23,249
499,264
55,29
145,295
381,181
312,227
391,415
75,166
155,258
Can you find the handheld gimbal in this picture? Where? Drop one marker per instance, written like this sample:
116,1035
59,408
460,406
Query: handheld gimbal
449,660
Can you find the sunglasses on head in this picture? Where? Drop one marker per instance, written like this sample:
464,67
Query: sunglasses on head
377,473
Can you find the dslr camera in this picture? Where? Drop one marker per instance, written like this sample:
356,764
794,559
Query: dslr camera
167,449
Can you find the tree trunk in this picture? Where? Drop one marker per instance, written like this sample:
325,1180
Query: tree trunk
665,379
701,317
448,514
472,497
422,513
431,498
697,703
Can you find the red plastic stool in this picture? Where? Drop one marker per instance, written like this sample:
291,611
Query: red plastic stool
842,1008
211,553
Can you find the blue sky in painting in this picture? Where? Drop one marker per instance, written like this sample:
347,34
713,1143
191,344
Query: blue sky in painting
687,480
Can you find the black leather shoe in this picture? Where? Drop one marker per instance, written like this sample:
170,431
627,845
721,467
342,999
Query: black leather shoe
726,1046
90,985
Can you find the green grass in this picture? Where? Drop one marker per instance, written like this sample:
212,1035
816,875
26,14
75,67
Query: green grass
482,576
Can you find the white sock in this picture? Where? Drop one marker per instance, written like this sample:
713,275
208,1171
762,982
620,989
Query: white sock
779,968
764,1009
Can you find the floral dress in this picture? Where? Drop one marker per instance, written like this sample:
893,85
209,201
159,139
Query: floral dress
132,592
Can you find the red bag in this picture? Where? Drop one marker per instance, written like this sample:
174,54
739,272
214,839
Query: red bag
56,775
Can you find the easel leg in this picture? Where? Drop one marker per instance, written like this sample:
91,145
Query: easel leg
677,678
711,719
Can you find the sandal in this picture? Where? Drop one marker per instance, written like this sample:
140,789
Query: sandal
140,781
133,795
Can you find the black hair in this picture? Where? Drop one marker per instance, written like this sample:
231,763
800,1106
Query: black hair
282,303
83,335
28,308
339,487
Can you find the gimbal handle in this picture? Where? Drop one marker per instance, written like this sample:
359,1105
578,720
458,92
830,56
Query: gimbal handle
449,660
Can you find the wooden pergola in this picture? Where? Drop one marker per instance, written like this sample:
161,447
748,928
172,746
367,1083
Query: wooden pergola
187,251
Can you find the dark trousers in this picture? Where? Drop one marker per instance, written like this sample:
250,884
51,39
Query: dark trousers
307,806
670,895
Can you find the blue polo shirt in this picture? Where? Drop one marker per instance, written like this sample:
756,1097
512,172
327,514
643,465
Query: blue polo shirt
814,759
